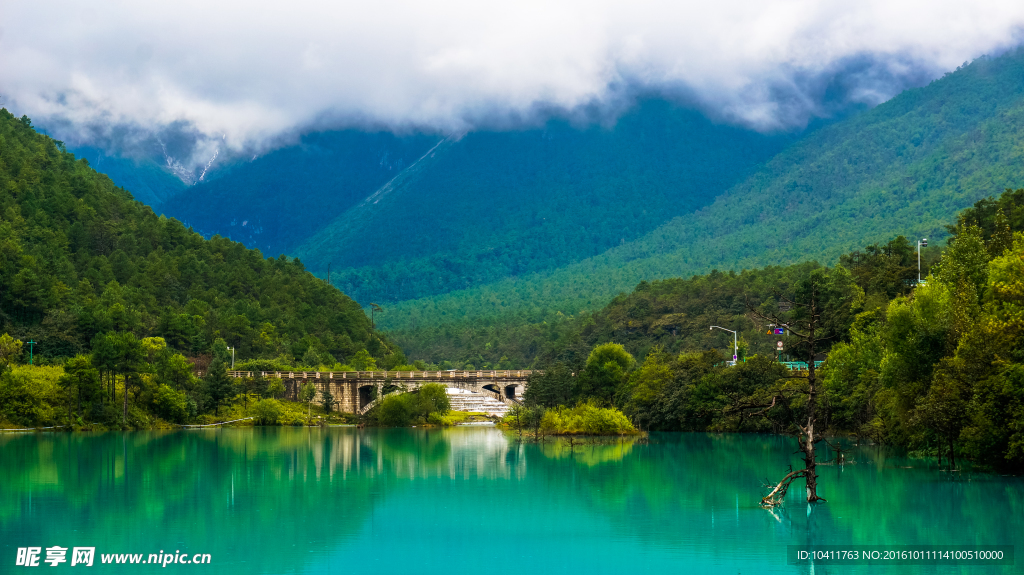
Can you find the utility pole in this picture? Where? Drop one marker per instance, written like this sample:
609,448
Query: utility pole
923,243
735,344
374,309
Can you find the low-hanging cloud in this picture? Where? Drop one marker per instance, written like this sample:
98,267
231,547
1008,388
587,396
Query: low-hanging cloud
240,74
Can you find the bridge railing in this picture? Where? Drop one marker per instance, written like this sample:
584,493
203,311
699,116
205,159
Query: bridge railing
431,375
800,365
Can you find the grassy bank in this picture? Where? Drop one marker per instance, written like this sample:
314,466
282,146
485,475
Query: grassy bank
34,396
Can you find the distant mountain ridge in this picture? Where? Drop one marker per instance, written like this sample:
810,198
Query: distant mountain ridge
276,201
492,205
562,218
905,167
148,181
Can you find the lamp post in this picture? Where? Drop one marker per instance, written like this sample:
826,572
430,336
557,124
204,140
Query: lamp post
374,309
923,243
31,344
735,343
232,358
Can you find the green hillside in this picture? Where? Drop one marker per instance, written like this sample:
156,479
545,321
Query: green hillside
935,367
672,314
905,167
492,205
276,201
80,258
150,182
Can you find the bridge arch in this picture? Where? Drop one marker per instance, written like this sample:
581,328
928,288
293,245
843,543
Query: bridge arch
366,394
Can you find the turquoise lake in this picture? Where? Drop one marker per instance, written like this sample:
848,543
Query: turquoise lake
475,500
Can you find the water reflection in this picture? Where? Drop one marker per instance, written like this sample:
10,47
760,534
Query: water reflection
271,500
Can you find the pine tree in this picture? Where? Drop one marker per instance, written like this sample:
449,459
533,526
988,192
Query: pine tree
218,385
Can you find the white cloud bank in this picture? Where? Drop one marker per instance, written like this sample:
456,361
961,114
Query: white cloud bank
241,73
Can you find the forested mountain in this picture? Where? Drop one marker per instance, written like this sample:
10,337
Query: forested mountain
672,314
149,182
904,167
397,222
79,258
277,201
491,205
936,367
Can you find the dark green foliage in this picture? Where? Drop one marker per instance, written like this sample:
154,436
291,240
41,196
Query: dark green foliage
79,258
605,371
149,182
327,398
555,386
510,342
936,368
995,216
81,382
219,387
675,315
887,270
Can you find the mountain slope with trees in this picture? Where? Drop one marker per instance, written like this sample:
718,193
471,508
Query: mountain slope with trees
79,258
936,367
905,167
277,201
490,205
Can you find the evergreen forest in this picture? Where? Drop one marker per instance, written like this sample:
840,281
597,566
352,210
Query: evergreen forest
92,278
936,367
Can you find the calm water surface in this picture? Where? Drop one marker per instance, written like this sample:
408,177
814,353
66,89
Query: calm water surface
342,500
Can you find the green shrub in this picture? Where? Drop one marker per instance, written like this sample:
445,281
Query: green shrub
266,411
437,418
170,404
30,395
394,411
258,365
431,398
586,419
275,388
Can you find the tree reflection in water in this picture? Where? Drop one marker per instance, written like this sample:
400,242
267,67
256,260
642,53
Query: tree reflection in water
271,500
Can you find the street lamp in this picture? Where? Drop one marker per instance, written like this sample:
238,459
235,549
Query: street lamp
735,343
921,244
232,357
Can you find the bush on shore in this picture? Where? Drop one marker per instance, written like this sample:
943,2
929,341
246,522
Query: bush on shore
583,419
429,404
266,411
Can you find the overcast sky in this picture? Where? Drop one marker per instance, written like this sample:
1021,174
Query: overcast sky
242,73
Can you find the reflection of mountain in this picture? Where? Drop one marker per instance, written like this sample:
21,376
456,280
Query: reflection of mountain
465,500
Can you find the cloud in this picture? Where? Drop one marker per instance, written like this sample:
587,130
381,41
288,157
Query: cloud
238,76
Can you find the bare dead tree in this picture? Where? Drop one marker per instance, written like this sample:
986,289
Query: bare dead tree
818,314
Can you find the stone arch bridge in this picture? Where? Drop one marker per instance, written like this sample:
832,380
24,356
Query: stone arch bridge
356,391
